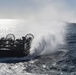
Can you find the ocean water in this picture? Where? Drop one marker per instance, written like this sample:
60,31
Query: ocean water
60,62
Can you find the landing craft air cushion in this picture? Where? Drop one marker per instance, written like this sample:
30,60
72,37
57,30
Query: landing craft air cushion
11,47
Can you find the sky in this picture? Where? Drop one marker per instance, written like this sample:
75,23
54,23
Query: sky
23,9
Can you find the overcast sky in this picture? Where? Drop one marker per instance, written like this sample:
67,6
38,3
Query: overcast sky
17,9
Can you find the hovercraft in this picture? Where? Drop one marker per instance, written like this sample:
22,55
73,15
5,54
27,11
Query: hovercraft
12,47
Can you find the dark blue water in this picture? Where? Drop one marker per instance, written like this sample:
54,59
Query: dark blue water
59,63
71,40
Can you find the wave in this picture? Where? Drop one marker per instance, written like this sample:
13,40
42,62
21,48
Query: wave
48,42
